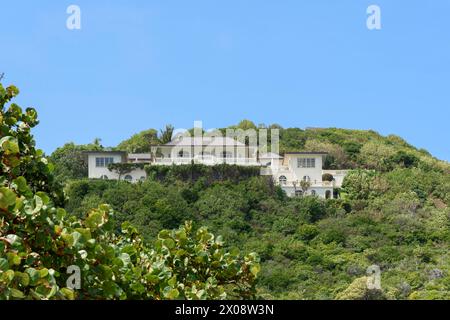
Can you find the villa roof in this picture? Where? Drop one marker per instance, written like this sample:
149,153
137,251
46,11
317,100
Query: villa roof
204,141
106,152
308,152
270,155
140,155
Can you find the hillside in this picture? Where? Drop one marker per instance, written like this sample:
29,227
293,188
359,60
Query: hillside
393,212
348,149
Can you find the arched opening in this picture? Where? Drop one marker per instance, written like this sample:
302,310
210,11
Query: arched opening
313,192
142,178
298,193
128,178
183,154
336,194
327,194
282,180
227,154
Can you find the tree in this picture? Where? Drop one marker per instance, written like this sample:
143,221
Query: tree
140,142
166,134
363,185
40,242
336,158
358,290
246,125
70,160
375,154
305,185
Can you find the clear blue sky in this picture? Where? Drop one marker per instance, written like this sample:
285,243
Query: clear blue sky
141,64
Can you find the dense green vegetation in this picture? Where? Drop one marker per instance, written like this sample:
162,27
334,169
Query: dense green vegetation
41,246
309,248
393,212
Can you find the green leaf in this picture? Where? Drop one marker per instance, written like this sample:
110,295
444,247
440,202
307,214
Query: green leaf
9,145
52,292
171,293
255,269
94,220
44,197
8,276
21,184
172,282
24,279
33,273
16,293
163,234
4,265
14,240
7,198
169,243
39,203
68,239
43,272
68,293
60,214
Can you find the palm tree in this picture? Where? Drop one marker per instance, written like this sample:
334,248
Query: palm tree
166,134
97,144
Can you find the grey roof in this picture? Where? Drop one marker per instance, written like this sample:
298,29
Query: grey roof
308,152
270,155
204,141
105,152
140,155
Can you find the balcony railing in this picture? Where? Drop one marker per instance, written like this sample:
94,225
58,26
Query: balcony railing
207,160
312,185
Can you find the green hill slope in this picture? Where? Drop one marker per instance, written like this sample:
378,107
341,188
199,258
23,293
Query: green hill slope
393,213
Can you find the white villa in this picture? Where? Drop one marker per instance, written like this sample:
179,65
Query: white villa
288,171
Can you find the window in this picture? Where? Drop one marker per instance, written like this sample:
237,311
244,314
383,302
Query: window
306,162
142,178
104,177
183,154
128,178
282,180
328,194
313,192
298,193
103,161
227,154
306,179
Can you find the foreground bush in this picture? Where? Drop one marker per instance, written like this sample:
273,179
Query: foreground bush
42,247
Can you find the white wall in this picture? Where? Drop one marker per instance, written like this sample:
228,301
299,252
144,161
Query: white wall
315,174
97,172
320,191
136,175
338,176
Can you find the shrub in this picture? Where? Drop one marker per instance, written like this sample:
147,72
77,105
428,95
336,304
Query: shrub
39,241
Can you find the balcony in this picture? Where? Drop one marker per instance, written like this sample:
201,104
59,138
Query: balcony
207,160
314,184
